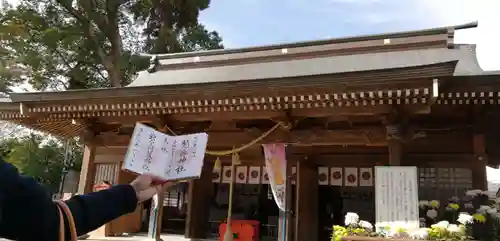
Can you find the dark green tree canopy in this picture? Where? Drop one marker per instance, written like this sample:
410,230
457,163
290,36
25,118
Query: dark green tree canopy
79,44
43,160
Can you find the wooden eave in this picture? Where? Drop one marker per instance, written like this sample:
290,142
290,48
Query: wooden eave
369,86
390,69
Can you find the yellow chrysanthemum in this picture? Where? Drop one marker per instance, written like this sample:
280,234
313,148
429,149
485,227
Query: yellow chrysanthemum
434,203
399,229
479,217
338,233
454,206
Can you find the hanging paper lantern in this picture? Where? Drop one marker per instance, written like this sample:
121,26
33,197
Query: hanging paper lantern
217,164
236,159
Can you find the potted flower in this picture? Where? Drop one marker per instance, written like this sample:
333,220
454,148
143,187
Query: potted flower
359,230
354,227
484,223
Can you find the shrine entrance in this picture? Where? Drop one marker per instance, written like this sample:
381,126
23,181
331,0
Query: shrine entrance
250,202
338,120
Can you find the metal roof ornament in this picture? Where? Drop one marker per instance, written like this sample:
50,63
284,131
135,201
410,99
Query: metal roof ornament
153,64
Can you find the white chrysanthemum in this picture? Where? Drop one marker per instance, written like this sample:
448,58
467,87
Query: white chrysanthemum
495,215
465,218
468,205
383,228
483,209
473,192
453,228
441,225
423,203
351,219
490,194
420,234
398,231
492,210
422,222
366,225
431,213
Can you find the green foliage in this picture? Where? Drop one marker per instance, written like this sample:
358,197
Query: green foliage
80,44
172,26
41,159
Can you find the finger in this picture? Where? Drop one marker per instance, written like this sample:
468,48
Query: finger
147,193
147,177
159,188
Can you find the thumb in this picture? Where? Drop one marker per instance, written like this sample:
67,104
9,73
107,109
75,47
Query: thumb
146,194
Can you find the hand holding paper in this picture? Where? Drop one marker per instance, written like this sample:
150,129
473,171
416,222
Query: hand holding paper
145,187
165,157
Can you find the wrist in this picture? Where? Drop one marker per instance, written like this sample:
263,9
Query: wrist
136,191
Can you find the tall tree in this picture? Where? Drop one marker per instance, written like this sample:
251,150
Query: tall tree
74,44
172,25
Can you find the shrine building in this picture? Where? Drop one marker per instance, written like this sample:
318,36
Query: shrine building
342,106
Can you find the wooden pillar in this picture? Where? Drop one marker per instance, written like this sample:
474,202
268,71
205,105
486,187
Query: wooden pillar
395,144
87,173
306,209
284,224
479,163
200,195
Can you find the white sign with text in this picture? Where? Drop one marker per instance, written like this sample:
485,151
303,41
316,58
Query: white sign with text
166,157
396,195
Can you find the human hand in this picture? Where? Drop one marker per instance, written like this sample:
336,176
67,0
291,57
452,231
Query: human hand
145,189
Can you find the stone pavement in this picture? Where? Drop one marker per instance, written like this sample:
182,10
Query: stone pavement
139,237
143,237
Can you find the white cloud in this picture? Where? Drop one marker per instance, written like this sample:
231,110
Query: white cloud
486,36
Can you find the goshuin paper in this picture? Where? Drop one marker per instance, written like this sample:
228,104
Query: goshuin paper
166,157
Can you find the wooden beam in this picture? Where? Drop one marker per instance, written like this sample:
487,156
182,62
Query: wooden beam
311,112
395,144
374,136
222,126
365,160
231,115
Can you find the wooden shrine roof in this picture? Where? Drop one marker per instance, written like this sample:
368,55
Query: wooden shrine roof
314,67
315,78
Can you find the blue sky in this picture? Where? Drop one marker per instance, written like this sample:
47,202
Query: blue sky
261,22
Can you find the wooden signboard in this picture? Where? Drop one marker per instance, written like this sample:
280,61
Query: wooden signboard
166,157
396,195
